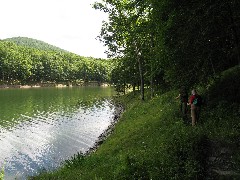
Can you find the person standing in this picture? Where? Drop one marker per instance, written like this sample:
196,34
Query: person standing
195,102
183,96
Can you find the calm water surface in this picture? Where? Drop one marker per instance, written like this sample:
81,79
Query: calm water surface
42,127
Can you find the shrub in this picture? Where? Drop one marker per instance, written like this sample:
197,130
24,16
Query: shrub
226,87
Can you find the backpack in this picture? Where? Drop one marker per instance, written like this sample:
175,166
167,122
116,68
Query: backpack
198,100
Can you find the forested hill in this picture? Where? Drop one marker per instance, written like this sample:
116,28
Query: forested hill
34,43
27,65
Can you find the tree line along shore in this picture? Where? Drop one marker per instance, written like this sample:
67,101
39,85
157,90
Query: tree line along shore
38,85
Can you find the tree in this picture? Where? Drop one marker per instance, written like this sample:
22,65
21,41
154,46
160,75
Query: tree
23,65
126,32
199,39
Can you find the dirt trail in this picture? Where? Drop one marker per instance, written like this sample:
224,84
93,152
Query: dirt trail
221,160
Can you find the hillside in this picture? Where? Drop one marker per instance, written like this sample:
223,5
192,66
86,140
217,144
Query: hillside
34,43
29,64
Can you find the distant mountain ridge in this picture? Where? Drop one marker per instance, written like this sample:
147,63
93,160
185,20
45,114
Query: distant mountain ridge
34,43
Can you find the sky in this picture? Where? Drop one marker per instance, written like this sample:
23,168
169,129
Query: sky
72,25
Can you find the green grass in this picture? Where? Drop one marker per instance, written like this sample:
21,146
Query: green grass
152,142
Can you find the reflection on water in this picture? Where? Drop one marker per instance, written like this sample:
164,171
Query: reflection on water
43,139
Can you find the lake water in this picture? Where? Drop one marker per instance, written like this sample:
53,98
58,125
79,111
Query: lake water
42,127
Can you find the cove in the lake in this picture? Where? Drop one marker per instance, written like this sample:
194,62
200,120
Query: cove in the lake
41,128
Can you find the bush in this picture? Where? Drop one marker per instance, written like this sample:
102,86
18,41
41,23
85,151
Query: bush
226,87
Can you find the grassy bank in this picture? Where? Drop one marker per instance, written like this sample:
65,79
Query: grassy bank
152,142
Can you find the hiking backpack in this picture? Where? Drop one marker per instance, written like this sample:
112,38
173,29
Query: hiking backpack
198,100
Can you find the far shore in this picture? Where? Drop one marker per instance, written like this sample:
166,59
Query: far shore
39,85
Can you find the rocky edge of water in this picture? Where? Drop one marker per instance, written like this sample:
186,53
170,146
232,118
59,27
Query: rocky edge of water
117,114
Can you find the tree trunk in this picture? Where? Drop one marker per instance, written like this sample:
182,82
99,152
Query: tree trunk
134,88
151,85
141,77
151,80
140,68
235,34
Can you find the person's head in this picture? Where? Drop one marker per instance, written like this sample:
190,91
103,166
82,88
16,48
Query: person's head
183,89
194,92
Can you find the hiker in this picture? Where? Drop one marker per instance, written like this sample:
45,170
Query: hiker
195,102
183,96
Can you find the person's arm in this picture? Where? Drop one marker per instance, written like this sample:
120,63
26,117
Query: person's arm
178,96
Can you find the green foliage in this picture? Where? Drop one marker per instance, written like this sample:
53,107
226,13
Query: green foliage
226,87
25,65
200,39
171,43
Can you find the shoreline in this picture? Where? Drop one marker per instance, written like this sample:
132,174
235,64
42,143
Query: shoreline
117,115
39,85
